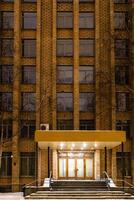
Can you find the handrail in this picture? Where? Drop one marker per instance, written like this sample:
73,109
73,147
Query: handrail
106,174
129,184
35,181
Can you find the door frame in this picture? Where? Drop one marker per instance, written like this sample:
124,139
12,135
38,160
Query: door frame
84,167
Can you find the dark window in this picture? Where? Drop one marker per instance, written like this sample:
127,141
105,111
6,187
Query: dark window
29,20
122,101
86,1
6,101
7,20
28,74
64,102
86,20
86,74
65,74
27,129
121,48
30,1
64,20
87,125
64,47
6,164
7,129
87,102
67,1
125,126
121,20
27,164
6,47
122,75
86,47
28,101
63,124
79,0
29,48
127,164
8,0
122,1
6,74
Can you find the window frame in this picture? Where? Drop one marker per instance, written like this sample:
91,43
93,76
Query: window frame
119,107
2,20
9,102
86,109
125,26
8,164
23,81
23,108
23,49
6,54
66,108
27,124
27,156
59,26
85,41
9,76
7,129
93,71
65,72
93,25
23,20
123,49
62,52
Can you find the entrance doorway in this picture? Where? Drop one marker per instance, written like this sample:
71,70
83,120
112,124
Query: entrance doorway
76,165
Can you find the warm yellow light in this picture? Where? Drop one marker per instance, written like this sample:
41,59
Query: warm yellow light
84,145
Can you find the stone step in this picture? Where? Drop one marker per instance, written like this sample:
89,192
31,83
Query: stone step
91,197
79,183
81,192
76,195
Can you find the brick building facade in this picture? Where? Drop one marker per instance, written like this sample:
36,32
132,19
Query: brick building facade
69,64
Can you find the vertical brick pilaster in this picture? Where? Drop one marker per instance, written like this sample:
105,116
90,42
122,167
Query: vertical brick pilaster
46,62
97,63
54,124
132,94
104,64
16,95
76,63
112,56
38,65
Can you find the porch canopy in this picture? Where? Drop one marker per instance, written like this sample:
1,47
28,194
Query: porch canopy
79,139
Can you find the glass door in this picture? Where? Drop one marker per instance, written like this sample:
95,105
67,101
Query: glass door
62,167
89,167
80,168
71,168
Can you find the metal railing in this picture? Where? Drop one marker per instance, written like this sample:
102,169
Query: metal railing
119,184
33,186
106,174
125,185
107,179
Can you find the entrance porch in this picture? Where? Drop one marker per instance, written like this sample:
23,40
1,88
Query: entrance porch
77,155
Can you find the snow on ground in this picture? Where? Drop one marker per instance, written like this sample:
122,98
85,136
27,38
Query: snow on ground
11,196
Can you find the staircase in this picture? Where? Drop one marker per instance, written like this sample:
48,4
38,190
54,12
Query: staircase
79,190
75,185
